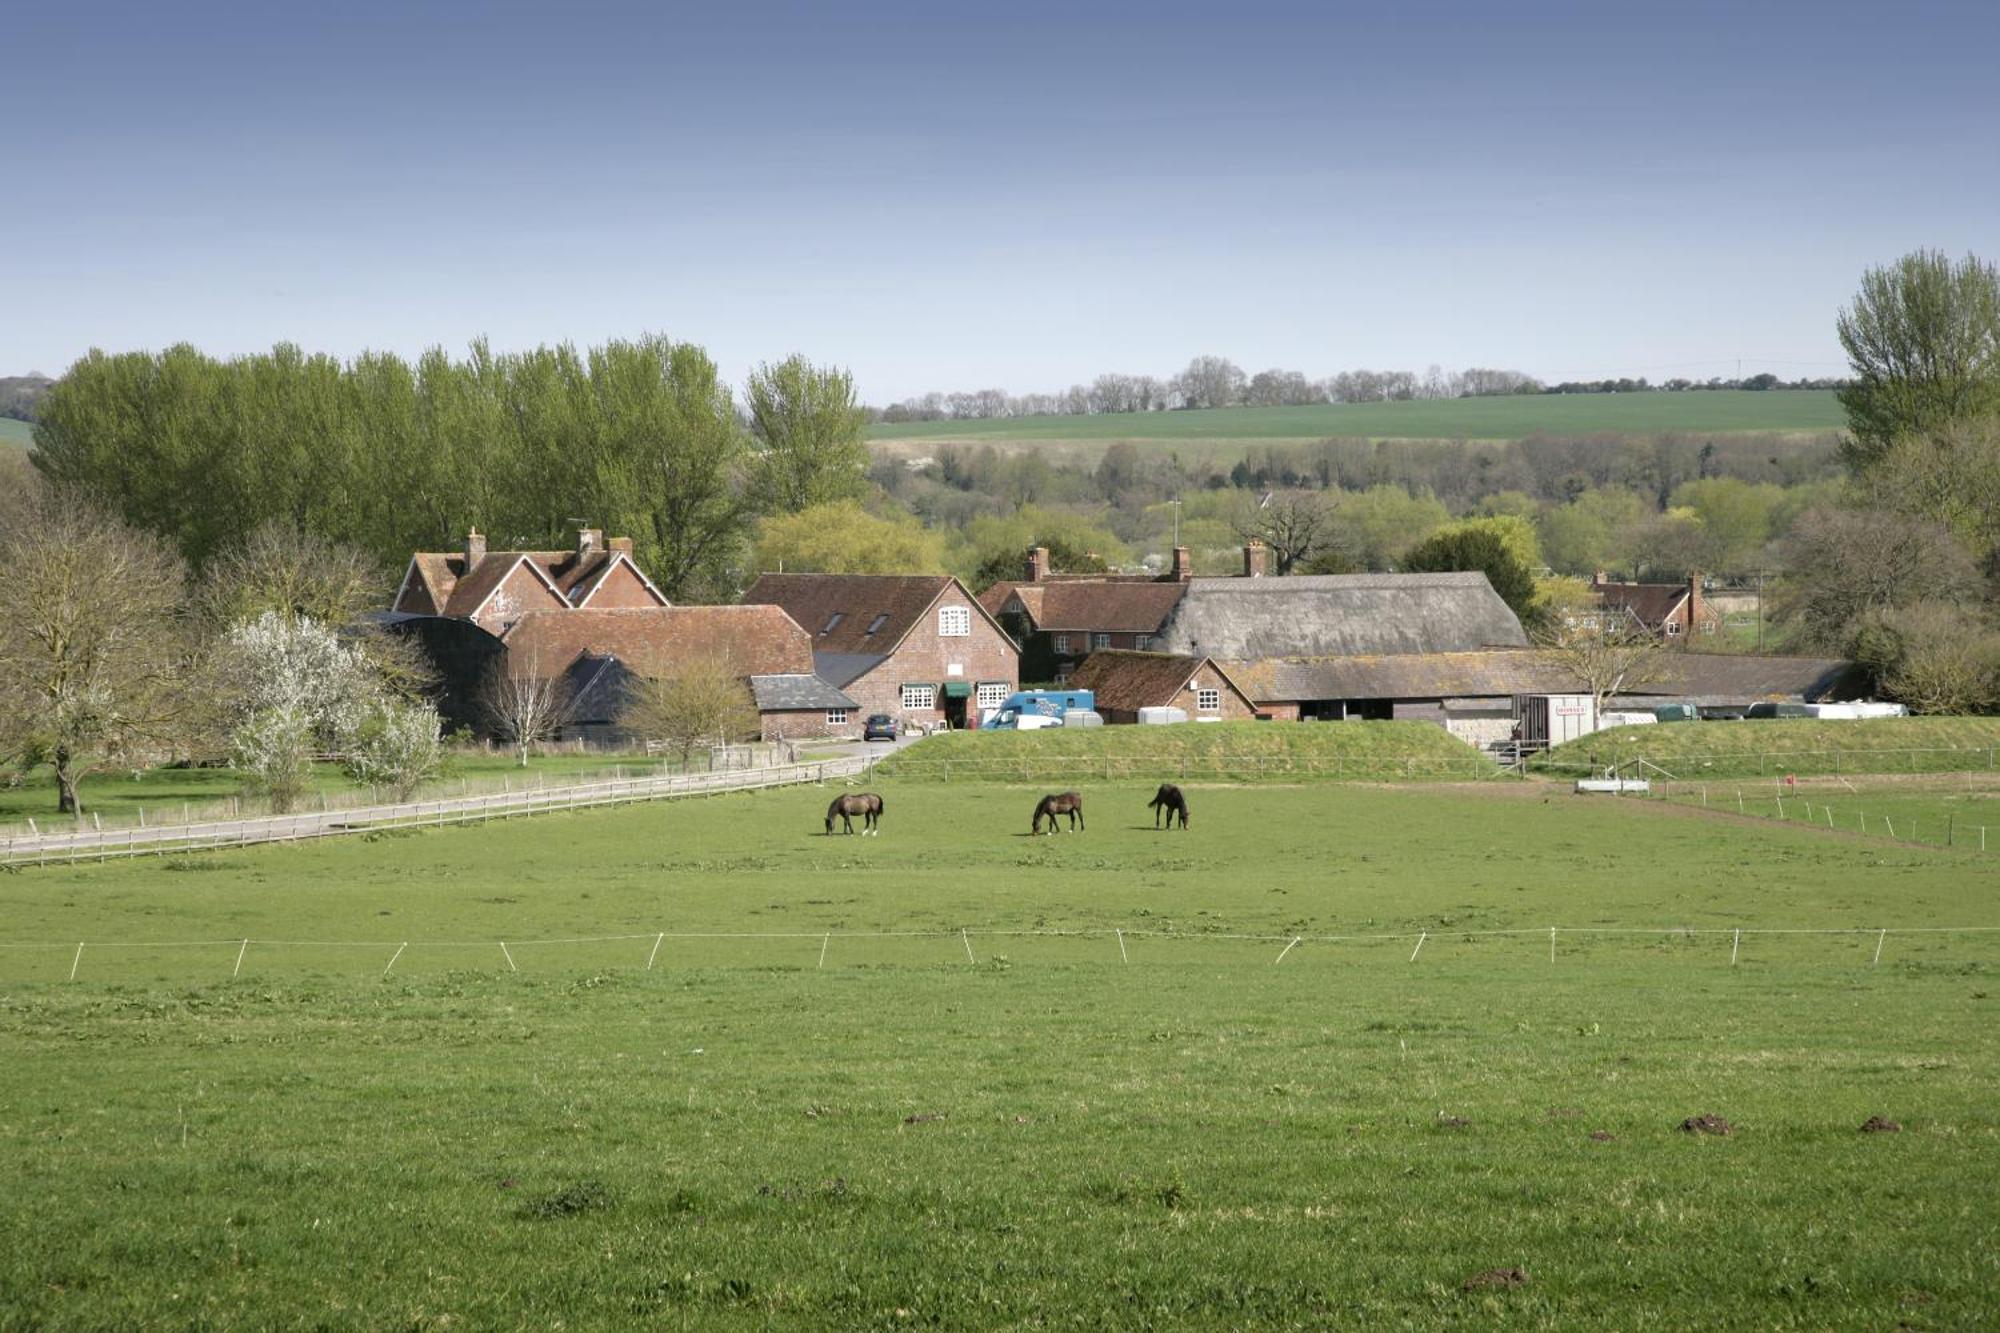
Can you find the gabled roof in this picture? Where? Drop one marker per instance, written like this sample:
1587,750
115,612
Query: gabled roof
653,641
1340,614
1651,603
852,614
1111,605
443,579
1128,681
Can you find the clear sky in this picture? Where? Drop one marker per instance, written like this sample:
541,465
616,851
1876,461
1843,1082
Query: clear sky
948,196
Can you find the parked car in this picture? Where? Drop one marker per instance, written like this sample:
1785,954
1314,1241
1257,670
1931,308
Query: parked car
879,727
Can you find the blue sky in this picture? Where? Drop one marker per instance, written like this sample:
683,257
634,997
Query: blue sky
952,196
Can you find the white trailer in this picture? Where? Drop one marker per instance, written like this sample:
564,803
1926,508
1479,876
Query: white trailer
1551,719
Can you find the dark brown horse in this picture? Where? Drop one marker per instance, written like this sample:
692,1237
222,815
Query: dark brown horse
866,804
1062,803
1169,799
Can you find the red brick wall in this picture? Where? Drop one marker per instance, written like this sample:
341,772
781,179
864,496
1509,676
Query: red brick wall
622,589
925,659
518,593
1234,707
808,724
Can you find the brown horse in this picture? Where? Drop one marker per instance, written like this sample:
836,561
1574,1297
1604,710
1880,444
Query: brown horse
866,804
1061,803
1169,799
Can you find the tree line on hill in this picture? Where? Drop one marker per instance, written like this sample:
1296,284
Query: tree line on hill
19,395
1216,381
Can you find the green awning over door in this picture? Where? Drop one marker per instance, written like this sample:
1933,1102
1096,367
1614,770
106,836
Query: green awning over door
958,689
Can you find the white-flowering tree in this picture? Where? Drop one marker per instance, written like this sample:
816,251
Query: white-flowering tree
288,687
398,747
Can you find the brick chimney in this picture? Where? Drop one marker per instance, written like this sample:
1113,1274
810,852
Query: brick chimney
475,547
1183,565
589,540
620,546
1694,603
1256,559
1038,564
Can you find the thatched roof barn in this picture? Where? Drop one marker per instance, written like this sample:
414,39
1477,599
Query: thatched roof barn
1340,615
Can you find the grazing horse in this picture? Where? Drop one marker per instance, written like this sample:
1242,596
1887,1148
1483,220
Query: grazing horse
866,804
1062,803
1169,799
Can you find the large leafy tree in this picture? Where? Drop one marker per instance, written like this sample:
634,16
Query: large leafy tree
844,538
1923,337
808,426
1469,546
94,644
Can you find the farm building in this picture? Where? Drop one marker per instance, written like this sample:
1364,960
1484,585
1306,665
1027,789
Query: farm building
493,589
597,654
1471,694
1125,682
1059,619
1339,615
918,647
1667,610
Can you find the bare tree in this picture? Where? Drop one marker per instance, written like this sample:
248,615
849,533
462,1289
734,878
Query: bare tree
94,647
1296,525
1211,381
1843,563
1606,657
702,702
525,707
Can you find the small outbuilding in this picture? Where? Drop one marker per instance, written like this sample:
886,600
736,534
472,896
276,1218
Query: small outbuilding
1126,682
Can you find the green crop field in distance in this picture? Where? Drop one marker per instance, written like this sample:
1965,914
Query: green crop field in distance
16,434
808,1126
1719,412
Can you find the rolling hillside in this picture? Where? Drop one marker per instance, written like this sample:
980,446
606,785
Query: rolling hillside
1720,412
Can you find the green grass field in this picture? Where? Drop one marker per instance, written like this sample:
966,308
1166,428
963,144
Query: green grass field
16,434
1238,751
1960,810
1772,748
169,795
891,1133
1720,412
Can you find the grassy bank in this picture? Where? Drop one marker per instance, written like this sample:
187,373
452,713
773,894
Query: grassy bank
804,1130
1232,751
1695,750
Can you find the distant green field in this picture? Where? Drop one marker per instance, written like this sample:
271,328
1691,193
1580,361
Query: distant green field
1962,810
19,434
1726,411
1695,750
1206,1123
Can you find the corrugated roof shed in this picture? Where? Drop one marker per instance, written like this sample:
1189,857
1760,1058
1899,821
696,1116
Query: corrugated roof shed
1340,614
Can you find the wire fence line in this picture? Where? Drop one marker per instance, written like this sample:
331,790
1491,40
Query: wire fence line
1290,940
105,844
1796,806
1775,763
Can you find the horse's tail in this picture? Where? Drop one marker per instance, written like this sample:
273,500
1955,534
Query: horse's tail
880,805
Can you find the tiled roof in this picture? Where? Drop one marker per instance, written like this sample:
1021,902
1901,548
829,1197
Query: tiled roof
451,589
1111,605
844,669
853,613
1652,603
653,641
1128,681
795,693
1711,678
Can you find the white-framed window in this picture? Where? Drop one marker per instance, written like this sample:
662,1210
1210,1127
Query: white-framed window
1208,701
1100,641
1062,643
917,697
991,693
1673,629
1142,642
954,622
836,717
